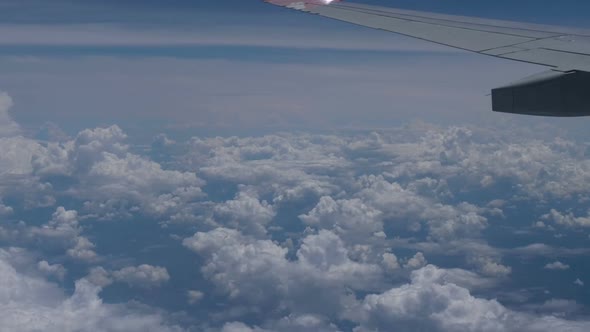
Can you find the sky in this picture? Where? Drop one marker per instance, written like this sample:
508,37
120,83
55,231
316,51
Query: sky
75,60
232,166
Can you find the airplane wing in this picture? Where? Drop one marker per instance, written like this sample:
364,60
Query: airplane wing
562,91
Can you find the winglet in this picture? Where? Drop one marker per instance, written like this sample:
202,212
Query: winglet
301,4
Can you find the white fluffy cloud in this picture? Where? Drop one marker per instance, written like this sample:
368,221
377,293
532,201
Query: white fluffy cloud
245,212
390,262
194,296
99,276
432,303
557,265
240,266
287,324
416,262
100,169
60,234
5,210
280,165
7,126
566,219
350,218
55,270
111,177
142,276
30,303
407,207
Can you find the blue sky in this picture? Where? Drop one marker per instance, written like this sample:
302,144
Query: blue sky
95,45
232,166
34,11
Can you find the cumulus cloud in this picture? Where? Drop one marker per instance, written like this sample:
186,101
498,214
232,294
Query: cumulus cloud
416,262
489,266
566,219
142,276
240,266
61,233
390,262
245,212
97,166
112,180
55,270
287,324
7,126
30,303
407,207
282,166
5,210
557,307
557,265
64,227
349,218
99,276
238,327
194,296
430,303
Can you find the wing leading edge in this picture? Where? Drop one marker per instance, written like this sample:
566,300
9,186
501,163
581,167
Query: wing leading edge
565,51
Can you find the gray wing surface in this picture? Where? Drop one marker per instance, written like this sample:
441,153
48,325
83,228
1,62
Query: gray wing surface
561,48
564,50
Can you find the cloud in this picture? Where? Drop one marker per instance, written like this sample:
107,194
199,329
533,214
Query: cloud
429,303
144,275
390,262
5,210
349,218
30,303
297,231
194,296
557,265
240,266
64,228
445,222
8,127
416,262
544,250
110,35
286,324
55,270
566,220
99,276
424,304
62,234
112,181
246,213
557,307
491,268
281,166
83,250
238,327
95,166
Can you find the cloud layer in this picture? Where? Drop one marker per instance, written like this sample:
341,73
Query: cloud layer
420,227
